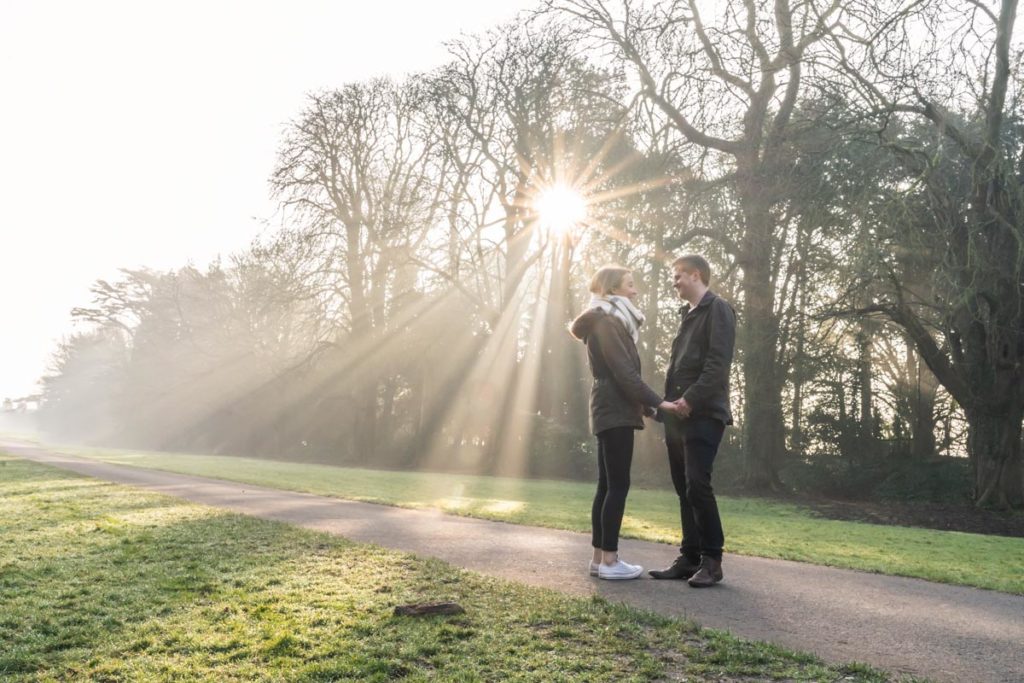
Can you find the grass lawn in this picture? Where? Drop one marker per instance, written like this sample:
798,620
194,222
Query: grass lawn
753,526
104,582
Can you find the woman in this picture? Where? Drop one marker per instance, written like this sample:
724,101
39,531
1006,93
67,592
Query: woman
610,327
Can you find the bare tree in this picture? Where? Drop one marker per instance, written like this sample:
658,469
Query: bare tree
357,169
953,68
729,85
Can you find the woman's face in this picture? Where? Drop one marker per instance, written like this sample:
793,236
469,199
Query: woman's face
626,288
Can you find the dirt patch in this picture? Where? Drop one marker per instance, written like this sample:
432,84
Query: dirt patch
925,515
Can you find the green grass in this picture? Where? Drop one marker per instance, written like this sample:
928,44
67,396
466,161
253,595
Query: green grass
753,526
104,582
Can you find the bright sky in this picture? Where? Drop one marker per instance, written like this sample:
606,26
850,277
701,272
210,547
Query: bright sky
142,133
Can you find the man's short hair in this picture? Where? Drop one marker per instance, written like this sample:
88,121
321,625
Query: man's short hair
693,262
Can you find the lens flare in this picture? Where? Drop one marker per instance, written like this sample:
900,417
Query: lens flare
560,208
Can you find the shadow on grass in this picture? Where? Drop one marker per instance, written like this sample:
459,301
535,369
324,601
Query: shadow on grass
109,583
94,573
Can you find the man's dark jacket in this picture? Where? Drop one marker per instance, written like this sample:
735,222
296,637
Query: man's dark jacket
620,395
701,355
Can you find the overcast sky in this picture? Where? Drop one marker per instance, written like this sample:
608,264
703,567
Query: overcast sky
142,133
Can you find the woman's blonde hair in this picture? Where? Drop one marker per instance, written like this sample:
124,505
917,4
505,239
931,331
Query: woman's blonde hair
607,279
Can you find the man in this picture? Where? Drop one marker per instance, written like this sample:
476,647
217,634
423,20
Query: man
698,381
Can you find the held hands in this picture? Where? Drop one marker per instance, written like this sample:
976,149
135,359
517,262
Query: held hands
683,407
679,408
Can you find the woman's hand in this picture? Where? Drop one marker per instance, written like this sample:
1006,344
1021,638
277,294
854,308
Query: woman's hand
673,408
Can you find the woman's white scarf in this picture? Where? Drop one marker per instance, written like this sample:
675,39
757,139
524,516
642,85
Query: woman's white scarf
623,309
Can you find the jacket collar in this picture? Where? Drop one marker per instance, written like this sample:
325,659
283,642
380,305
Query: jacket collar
705,300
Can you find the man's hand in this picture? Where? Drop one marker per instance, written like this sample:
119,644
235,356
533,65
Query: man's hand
683,409
671,407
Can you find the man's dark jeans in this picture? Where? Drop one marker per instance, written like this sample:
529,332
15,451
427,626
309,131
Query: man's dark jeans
692,446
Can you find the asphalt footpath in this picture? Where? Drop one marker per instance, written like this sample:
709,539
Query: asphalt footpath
905,626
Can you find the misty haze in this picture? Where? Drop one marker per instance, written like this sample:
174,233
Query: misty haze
751,269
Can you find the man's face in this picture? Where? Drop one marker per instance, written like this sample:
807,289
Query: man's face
684,281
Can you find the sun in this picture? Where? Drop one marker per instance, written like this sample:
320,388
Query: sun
560,208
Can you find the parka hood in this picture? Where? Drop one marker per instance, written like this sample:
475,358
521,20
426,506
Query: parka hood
584,323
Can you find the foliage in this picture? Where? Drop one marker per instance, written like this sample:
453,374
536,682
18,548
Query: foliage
882,475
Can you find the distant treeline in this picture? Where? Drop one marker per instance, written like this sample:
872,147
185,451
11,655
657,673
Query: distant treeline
852,170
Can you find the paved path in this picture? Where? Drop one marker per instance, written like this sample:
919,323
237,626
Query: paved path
949,633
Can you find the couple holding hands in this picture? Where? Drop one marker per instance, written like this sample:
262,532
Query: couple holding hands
694,410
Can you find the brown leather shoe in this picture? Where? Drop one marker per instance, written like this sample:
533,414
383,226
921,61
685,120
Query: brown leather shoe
682,568
708,575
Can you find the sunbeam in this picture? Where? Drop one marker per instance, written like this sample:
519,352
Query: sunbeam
560,208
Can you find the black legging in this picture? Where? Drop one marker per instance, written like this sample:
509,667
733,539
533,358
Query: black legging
614,457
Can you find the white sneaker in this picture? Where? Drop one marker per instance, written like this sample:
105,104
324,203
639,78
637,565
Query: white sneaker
619,571
594,568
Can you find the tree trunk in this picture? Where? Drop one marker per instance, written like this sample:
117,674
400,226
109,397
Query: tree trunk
575,371
762,413
649,447
364,394
796,438
994,446
797,434
864,367
922,405
763,428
